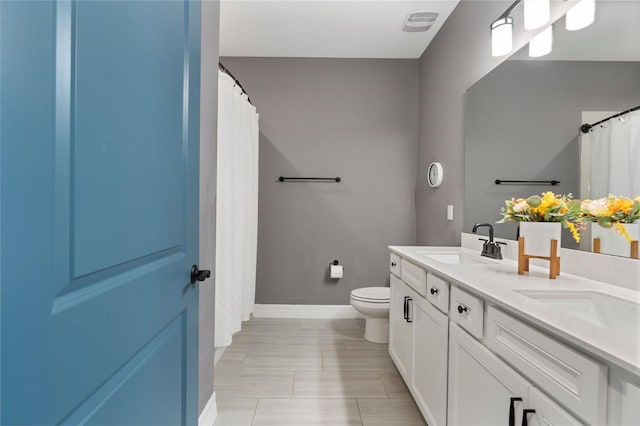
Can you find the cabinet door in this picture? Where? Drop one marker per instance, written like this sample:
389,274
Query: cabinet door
547,412
480,384
400,338
429,373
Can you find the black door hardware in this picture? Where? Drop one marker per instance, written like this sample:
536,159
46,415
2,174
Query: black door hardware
393,264
408,313
462,309
525,413
199,275
434,290
512,411
406,308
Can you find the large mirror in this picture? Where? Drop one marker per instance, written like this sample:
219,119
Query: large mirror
523,119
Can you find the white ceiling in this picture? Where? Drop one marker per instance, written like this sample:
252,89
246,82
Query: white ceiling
614,36
325,28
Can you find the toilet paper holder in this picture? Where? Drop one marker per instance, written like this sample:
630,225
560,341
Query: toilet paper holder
339,270
336,263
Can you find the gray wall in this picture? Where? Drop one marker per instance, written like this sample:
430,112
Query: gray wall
208,147
459,56
521,122
353,118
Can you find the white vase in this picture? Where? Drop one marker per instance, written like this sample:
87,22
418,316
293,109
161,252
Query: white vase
538,236
613,242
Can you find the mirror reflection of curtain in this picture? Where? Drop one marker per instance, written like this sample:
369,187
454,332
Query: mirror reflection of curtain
236,210
615,157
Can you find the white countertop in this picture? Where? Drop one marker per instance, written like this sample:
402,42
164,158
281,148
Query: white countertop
498,283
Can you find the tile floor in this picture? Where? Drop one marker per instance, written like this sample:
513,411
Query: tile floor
310,372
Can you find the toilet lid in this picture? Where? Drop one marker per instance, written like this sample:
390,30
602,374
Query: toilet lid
373,294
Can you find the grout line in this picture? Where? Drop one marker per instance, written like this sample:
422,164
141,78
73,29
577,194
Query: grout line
293,383
255,411
383,386
359,411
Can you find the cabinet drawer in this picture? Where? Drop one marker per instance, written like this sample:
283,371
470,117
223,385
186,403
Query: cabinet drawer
395,264
438,292
467,311
575,380
414,276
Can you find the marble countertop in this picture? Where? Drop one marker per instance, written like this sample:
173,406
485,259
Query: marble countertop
498,283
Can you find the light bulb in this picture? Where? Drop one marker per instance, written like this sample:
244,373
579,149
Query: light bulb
536,13
581,15
542,43
502,36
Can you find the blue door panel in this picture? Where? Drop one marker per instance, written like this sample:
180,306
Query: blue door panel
117,401
147,65
108,333
99,134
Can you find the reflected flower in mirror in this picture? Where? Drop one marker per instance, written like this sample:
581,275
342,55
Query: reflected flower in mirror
612,212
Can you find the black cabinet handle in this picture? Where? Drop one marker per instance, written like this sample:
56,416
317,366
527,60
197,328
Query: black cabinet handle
406,308
526,412
434,290
393,264
512,412
462,309
408,313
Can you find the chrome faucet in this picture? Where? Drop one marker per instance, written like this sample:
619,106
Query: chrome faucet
490,248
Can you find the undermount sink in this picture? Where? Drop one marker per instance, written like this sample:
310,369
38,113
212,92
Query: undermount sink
618,315
453,258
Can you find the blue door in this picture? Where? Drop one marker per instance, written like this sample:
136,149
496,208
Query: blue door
99,108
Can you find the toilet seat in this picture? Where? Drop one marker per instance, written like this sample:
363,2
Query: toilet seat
372,294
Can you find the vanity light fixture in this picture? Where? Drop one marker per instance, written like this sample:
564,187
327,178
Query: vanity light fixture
581,15
536,13
542,43
502,36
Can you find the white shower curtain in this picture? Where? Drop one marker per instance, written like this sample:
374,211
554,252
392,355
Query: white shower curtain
236,211
615,157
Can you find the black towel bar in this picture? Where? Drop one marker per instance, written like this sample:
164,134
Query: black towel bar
302,179
528,182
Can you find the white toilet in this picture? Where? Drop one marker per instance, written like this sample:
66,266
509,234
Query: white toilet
373,303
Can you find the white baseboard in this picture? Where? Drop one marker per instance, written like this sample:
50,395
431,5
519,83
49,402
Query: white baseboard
306,311
210,412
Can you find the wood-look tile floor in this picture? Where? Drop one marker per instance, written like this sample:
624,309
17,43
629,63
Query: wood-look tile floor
310,372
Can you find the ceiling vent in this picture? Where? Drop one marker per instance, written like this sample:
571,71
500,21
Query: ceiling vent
418,21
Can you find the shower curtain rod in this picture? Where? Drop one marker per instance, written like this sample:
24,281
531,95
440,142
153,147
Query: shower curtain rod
586,127
226,71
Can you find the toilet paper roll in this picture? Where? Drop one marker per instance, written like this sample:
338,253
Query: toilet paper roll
337,271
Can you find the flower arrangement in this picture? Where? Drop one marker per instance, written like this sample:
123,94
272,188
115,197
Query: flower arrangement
612,211
547,207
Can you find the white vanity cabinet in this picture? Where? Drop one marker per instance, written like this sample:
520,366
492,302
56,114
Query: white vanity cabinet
418,340
464,357
429,373
401,326
545,412
481,385
484,390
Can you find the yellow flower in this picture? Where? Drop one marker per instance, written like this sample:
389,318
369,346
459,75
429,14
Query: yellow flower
623,231
574,231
